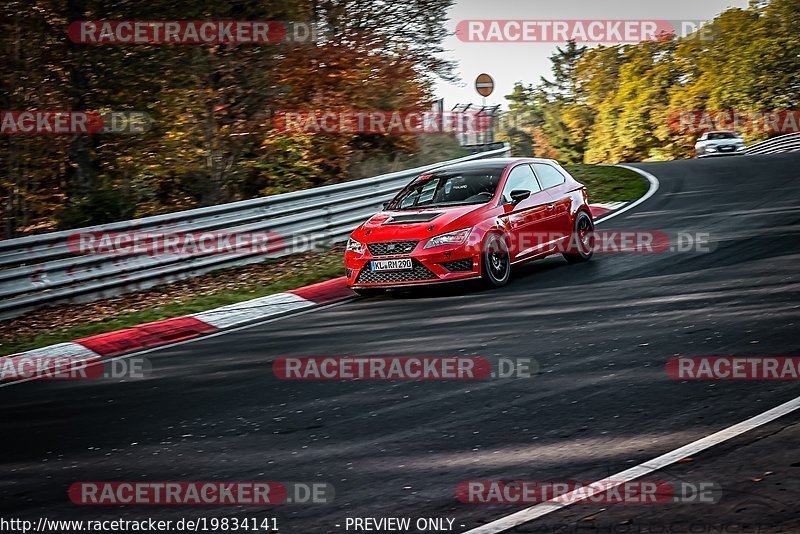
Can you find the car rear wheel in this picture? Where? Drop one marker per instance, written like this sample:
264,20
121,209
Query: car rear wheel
496,261
581,242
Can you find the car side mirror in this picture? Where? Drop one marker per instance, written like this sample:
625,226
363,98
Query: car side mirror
518,195
386,204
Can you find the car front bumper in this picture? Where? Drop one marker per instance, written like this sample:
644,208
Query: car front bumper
706,154
433,266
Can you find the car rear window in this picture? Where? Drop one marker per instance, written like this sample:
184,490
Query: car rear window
548,175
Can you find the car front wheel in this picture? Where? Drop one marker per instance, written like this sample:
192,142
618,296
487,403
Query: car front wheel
496,261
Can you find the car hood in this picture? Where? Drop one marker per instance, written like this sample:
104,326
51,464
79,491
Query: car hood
416,224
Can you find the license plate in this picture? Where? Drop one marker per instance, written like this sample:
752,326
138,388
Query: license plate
726,148
402,264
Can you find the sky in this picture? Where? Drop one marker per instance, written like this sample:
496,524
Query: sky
508,63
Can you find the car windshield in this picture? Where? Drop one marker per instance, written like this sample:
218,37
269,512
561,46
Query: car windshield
449,188
721,135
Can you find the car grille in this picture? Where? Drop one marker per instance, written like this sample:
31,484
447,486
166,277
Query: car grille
391,247
419,272
726,148
464,265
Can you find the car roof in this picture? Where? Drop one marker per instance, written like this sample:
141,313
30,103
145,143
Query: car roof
489,163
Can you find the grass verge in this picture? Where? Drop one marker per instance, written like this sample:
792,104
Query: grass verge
609,184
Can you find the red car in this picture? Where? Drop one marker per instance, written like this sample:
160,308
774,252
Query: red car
471,220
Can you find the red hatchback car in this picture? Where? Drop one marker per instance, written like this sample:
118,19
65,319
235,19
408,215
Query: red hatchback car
471,220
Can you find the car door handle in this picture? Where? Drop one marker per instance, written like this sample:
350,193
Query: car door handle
551,207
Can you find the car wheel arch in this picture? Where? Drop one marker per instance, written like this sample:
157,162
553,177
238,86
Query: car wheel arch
502,233
583,209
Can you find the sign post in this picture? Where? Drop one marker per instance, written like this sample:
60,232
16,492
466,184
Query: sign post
484,85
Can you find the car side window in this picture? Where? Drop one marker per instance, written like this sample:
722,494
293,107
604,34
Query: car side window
423,195
520,177
548,175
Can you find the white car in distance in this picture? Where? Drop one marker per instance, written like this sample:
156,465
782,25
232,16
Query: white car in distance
719,143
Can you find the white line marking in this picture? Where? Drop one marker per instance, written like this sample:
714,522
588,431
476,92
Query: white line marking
654,184
68,349
251,310
539,510
607,205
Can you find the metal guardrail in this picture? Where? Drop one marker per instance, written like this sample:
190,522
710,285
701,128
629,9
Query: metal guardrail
782,143
41,270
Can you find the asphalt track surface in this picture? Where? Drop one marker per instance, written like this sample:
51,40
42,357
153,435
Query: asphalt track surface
601,333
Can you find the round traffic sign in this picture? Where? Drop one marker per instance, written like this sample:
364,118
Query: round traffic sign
484,84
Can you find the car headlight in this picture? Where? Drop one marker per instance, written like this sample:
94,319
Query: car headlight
451,238
711,148
354,246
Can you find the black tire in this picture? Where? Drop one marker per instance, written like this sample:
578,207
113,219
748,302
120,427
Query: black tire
581,242
496,261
